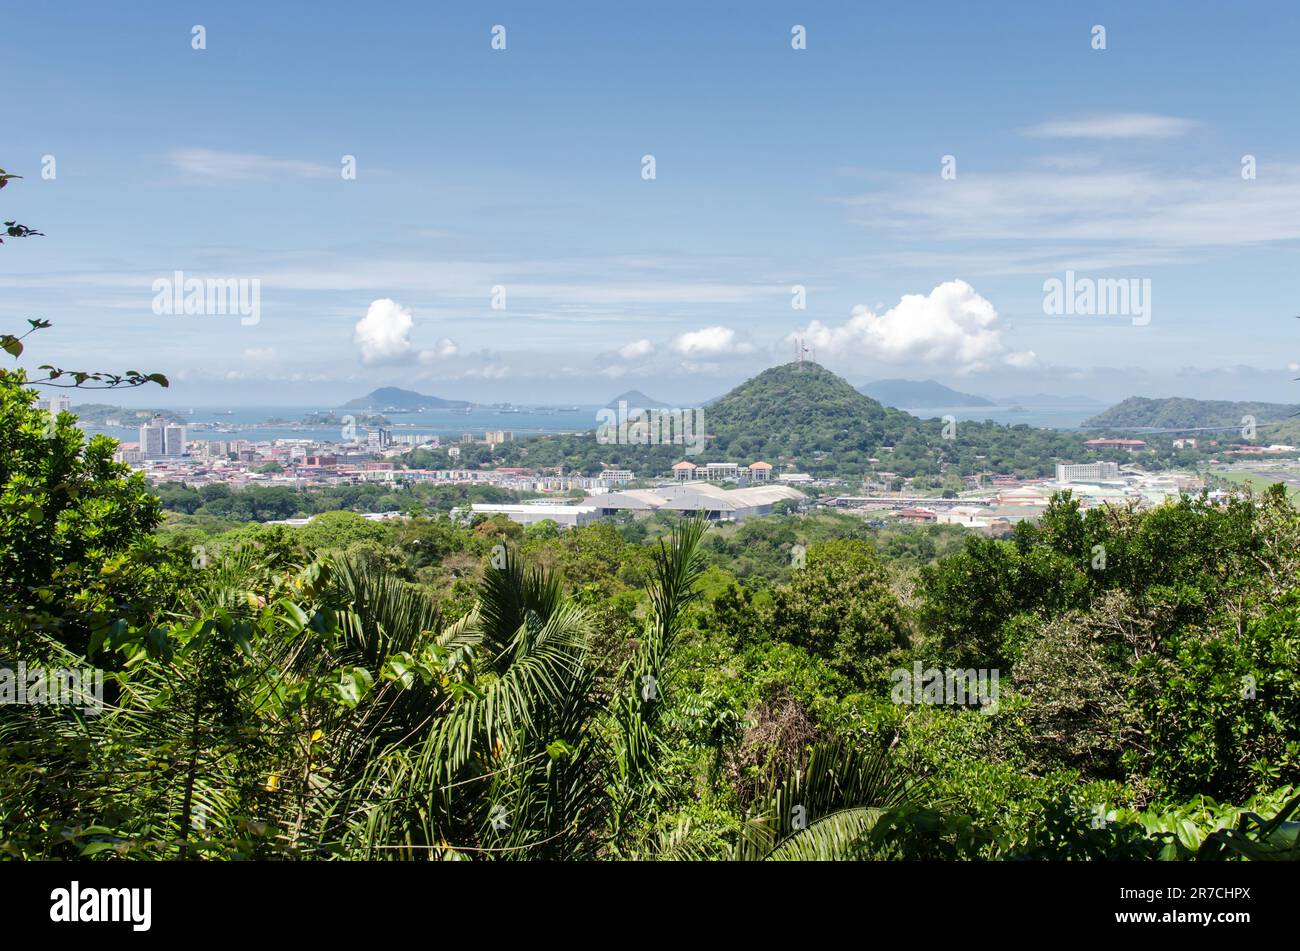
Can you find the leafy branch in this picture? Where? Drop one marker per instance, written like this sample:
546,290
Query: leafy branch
12,344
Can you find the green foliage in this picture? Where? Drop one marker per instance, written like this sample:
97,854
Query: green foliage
1138,412
69,516
841,607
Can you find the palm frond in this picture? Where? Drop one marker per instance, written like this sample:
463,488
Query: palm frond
855,785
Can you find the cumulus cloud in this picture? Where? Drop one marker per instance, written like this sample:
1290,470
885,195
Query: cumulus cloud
710,342
444,348
384,336
952,325
636,350
1118,125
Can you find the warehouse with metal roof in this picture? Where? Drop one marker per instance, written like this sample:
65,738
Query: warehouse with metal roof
691,498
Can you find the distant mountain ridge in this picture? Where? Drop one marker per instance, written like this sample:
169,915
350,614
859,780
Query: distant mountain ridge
1139,412
396,399
635,399
923,394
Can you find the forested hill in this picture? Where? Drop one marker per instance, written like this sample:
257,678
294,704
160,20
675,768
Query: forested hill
1138,412
797,409
802,416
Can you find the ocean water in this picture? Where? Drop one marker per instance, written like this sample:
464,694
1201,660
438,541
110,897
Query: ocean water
1053,417
249,422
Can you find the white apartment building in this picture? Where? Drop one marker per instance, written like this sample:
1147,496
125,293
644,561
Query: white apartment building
161,440
55,404
1087,472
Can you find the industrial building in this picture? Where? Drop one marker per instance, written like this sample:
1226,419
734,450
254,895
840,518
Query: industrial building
691,498
566,516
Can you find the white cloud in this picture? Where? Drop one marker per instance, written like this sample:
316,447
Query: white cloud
1133,212
492,372
444,348
1117,125
1022,359
212,165
952,325
384,334
636,350
710,342
384,337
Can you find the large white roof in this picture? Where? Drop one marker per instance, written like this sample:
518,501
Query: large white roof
688,496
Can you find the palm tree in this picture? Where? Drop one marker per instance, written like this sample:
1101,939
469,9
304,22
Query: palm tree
828,810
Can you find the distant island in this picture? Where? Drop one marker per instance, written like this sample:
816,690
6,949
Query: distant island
635,399
923,394
395,400
1139,412
334,419
106,414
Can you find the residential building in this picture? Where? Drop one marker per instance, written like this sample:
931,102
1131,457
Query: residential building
56,403
1087,472
160,439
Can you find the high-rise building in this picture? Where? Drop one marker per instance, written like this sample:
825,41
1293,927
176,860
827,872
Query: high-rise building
57,403
160,439
1087,472
151,440
174,439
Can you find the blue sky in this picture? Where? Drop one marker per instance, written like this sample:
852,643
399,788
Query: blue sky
522,168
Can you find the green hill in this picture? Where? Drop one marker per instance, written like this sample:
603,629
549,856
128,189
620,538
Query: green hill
797,410
801,416
1138,412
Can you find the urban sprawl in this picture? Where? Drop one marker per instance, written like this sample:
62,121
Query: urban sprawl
724,491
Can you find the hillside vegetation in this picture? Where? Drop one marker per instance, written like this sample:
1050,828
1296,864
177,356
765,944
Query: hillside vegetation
646,689
1138,412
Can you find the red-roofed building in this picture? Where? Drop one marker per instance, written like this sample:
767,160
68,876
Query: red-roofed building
917,515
